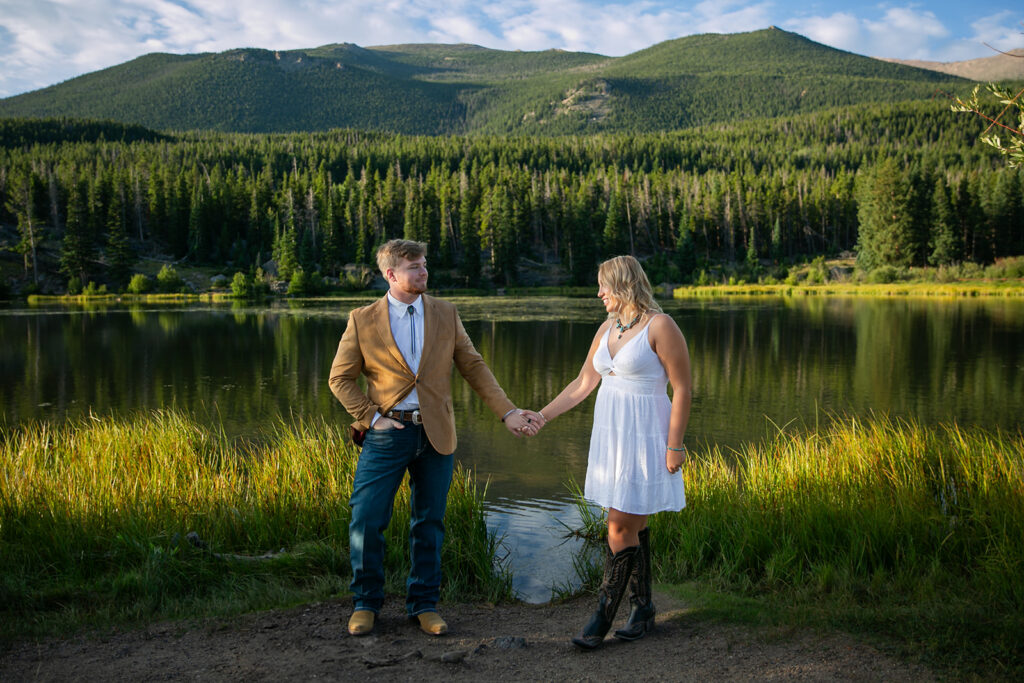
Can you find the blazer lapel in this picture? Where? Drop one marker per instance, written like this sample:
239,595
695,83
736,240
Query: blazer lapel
430,326
382,319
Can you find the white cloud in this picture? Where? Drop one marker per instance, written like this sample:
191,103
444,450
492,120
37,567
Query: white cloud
909,33
460,29
842,30
905,33
713,16
1003,31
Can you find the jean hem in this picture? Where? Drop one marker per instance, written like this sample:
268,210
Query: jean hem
422,610
365,608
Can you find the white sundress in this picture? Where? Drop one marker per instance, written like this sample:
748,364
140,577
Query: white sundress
626,467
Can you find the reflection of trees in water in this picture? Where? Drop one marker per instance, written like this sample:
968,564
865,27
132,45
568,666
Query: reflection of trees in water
792,360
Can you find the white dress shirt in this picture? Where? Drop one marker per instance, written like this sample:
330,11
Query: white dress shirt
400,322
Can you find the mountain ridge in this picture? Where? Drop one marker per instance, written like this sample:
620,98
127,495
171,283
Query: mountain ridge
463,88
998,67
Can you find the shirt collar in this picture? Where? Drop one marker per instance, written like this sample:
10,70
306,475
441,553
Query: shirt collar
403,309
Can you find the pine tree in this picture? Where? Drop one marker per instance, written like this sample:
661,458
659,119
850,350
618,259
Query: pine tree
286,252
944,243
77,249
751,261
120,257
686,251
469,264
777,240
887,235
22,203
616,239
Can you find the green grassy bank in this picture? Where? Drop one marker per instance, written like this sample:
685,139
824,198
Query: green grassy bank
895,530
95,517
909,534
166,298
1003,288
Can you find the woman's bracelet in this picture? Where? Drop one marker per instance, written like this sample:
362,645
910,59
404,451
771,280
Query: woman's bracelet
676,449
542,416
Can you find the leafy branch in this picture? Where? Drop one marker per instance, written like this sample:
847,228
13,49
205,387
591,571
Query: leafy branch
1013,147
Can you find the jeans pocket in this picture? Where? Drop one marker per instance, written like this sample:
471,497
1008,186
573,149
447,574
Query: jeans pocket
381,437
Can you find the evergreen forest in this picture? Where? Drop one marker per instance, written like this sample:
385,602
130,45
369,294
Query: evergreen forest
900,184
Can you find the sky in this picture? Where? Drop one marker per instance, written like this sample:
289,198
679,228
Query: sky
43,42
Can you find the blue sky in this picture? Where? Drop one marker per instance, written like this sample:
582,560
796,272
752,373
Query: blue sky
43,42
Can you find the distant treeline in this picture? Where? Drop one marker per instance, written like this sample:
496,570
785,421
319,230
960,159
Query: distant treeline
28,132
908,184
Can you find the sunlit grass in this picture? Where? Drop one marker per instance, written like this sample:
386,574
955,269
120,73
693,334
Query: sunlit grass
95,514
1007,288
888,527
153,298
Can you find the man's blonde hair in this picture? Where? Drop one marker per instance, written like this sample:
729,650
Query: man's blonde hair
393,251
624,278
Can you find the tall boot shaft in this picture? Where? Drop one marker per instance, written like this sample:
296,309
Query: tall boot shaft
617,569
641,613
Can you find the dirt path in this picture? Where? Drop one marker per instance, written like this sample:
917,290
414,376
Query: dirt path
513,642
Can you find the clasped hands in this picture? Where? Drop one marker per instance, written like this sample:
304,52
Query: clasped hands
520,423
524,422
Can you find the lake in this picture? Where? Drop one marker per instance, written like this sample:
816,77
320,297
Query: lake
759,365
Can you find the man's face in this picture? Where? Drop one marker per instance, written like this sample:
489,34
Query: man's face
409,277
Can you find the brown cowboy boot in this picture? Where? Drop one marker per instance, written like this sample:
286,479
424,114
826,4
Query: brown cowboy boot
641,613
617,568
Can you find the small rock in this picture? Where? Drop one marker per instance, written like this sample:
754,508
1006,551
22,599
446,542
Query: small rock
454,657
509,642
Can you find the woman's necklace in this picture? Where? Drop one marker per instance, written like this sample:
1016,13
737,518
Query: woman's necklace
622,328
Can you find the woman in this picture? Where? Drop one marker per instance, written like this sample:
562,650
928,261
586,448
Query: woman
636,447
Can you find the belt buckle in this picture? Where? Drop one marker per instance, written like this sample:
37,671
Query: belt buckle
417,419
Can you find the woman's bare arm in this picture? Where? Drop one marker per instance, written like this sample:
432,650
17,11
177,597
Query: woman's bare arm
668,343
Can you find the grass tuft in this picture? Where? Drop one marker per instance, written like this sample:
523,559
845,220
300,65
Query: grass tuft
884,527
105,522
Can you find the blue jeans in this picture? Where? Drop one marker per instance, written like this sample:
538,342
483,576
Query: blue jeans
386,455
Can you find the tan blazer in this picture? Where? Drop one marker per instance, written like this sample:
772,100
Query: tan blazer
368,348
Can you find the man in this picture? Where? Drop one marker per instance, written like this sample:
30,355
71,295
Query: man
405,345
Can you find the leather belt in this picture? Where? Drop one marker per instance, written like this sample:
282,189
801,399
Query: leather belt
405,416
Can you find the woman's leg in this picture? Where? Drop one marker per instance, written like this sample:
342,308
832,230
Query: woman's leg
624,529
623,546
641,612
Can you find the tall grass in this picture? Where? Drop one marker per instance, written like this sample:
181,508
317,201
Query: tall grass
95,517
889,526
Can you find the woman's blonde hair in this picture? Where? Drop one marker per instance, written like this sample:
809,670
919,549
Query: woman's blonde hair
624,278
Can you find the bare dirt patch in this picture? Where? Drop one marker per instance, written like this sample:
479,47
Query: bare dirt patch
510,642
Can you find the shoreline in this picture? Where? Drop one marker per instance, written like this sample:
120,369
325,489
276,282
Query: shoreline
1009,288
486,642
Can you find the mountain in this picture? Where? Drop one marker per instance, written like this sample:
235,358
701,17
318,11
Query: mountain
440,89
1007,66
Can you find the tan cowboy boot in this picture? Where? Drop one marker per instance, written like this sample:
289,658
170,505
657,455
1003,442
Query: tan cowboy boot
432,624
361,622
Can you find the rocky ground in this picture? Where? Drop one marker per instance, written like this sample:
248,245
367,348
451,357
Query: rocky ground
508,642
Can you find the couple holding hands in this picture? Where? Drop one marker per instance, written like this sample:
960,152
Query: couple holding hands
405,345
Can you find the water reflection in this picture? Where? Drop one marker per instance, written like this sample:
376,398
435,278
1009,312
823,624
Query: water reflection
540,549
758,365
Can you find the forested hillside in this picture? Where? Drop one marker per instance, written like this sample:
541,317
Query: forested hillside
907,184
466,89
